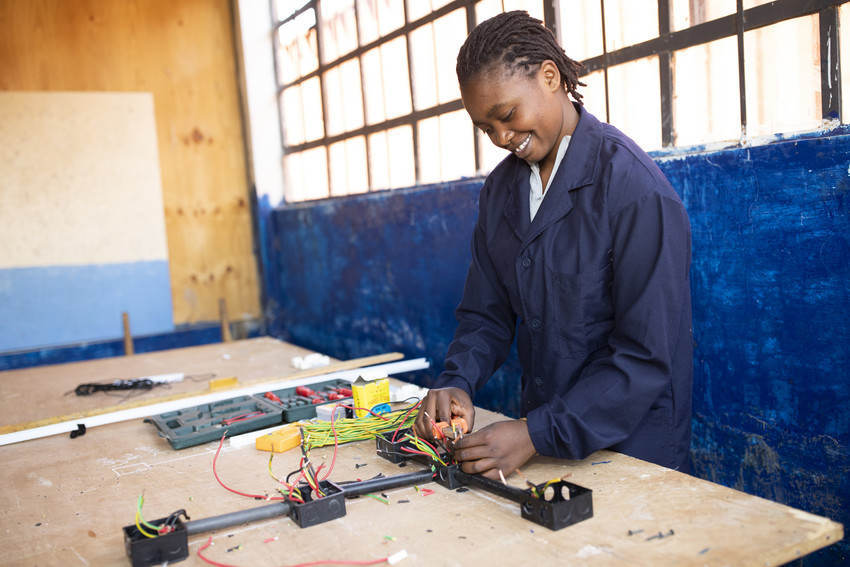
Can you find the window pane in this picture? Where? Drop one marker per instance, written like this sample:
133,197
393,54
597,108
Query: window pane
783,77
424,69
687,13
285,8
593,95
348,167
445,148
753,3
378,17
450,31
306,175
400,154
706,103
417,9
311,101
580,28
628,22
387,88
339,28
396,77
297,53
378,161
342,93
844,46
373,88
291,116
391,158
635,101
488,8
489,154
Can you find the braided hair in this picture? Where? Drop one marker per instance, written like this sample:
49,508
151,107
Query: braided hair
514,41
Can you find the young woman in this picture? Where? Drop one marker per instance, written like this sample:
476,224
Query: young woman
582,251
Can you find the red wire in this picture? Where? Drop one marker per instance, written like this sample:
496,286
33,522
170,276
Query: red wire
312,563
264,497
405,419
336,447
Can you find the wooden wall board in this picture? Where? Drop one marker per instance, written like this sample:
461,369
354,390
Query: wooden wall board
68,500
183,53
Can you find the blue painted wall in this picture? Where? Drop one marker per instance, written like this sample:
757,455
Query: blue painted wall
45,306
771,239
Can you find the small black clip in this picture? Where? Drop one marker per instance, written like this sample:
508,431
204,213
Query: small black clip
79,432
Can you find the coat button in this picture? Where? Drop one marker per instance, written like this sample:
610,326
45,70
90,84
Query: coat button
526,262
539,381
536,323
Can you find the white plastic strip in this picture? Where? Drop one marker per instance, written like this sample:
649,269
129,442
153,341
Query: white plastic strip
368,372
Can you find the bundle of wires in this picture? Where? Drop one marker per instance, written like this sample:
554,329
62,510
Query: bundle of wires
346,430
167,526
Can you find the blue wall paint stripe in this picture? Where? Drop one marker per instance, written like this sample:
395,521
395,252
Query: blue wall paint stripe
73,304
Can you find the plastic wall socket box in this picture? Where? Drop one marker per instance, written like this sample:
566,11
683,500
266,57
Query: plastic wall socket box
559,511
200,424
296,408
391,450
446,477
318,510
166,548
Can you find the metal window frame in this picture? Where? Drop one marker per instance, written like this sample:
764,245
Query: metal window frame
732,25
663,46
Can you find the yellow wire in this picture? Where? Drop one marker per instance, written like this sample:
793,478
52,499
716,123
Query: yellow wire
141,530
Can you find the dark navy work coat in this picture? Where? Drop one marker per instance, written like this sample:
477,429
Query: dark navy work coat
597,290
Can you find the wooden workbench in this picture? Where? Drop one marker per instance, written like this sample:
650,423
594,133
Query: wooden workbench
66,500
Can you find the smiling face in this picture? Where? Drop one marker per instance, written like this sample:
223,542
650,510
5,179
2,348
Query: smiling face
525,115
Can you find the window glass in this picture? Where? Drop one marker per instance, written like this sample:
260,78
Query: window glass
706,101
628,22
753,3
593,95
449,34
339,28
424,67
782,77
311,106
417,9
687,13
634,101
378,17
445,147
297,52
291,117
285,8
306,175
391,158
387,81
343,98
488,8
348,166
580,28
489,154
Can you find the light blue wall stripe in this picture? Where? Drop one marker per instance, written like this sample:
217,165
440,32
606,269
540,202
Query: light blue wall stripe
72,304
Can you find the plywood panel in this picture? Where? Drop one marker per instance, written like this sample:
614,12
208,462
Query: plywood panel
182,52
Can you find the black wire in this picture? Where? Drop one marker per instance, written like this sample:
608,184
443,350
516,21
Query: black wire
134,384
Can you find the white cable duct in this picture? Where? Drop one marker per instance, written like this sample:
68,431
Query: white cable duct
368,372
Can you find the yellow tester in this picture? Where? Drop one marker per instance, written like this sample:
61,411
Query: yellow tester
280,440
368,394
